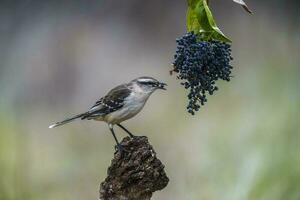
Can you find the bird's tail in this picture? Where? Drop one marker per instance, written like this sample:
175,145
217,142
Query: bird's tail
67,120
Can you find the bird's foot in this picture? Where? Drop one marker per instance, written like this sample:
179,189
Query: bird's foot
133,136
121,149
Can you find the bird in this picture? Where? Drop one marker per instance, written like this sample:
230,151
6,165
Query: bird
121,103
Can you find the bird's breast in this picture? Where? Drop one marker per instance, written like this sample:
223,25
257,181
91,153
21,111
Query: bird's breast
132,106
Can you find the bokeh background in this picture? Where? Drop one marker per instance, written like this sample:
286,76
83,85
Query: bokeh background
58,57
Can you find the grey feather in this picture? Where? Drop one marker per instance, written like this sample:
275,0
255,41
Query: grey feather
67,120
113,101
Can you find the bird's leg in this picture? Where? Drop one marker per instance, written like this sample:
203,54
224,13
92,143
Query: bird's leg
119,146
128,132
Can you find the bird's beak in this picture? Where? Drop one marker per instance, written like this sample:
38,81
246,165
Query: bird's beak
162,86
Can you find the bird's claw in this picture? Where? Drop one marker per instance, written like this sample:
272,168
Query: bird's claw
133,136
121,149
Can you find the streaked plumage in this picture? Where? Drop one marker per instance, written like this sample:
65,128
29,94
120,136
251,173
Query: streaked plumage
113,101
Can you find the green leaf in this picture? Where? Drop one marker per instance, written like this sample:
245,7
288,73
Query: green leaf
192,3
199,19
202,16
192,23
218,35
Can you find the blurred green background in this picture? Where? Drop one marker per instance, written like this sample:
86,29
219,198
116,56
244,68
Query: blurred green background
59,56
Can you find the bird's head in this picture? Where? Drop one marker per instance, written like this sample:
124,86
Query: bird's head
148,84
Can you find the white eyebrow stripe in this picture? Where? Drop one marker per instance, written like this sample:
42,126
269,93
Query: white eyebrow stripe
146,80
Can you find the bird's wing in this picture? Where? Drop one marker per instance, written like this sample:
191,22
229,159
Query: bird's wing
113,101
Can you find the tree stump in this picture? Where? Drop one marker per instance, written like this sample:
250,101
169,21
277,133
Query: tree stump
135,174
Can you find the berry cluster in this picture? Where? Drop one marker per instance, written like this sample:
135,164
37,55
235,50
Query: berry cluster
199,65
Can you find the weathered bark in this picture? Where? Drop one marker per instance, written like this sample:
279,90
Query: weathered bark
135,174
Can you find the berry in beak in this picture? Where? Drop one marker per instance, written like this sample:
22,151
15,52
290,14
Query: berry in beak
162,86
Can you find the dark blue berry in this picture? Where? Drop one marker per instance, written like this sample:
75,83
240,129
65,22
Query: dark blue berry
199,65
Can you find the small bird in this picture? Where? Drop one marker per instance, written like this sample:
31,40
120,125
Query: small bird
121,103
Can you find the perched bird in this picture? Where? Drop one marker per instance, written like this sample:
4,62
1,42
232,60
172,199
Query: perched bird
121,103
